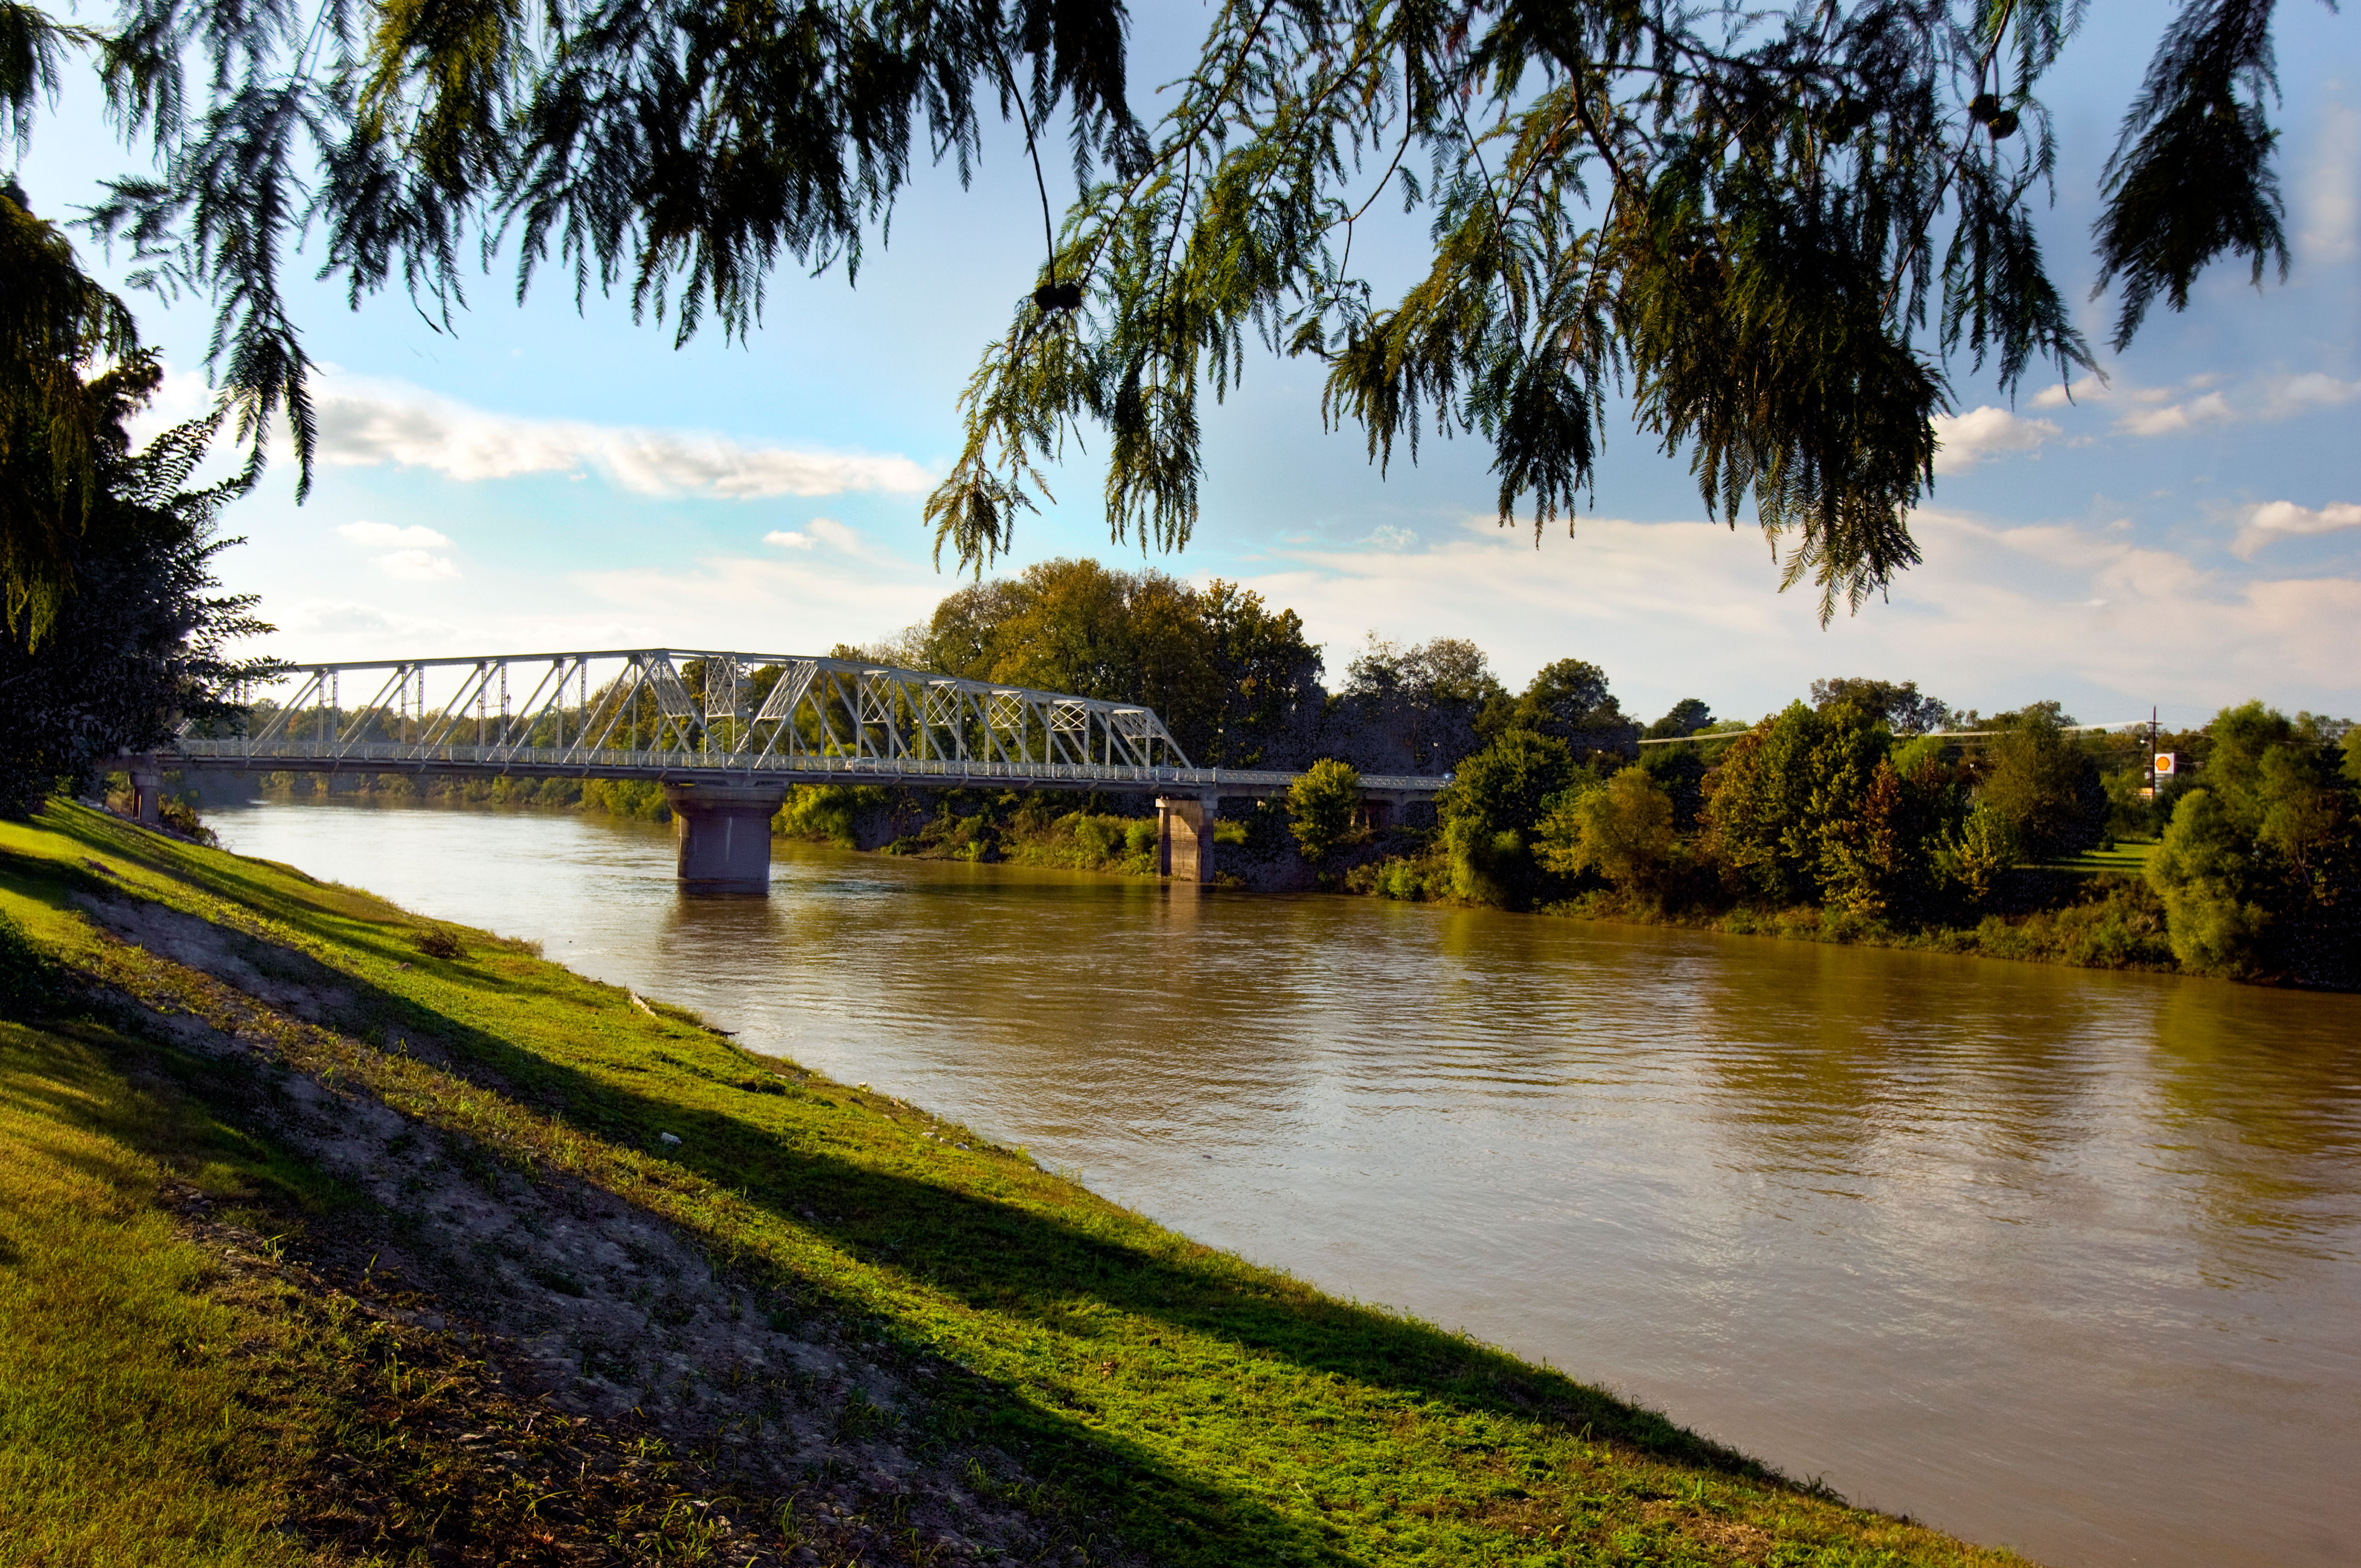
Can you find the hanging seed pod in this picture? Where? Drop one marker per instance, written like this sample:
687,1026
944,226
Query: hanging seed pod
1985,108
1051,297
2001,125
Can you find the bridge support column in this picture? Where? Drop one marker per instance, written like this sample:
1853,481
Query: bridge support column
1380,810
1184,836
725,835
147,788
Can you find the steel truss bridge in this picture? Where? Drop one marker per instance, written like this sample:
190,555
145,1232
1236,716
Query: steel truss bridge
679,715
726,734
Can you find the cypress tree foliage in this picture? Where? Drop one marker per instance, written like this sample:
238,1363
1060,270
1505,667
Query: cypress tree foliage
54,324
1773,229
139,643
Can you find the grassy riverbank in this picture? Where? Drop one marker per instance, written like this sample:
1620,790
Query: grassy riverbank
317,1245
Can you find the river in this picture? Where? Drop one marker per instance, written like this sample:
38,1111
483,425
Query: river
2058,1259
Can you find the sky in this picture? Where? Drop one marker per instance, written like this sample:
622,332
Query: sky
2182,531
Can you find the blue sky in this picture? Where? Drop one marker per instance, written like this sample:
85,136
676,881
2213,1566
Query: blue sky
2186,535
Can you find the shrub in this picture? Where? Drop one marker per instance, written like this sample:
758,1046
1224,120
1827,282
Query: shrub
1979,853
826,812
1487,868
182,818
626,797
1399,878
438,943
1099,837
1321,804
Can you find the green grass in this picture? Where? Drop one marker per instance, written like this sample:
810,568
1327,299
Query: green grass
1155,1393
125,1415
2129,857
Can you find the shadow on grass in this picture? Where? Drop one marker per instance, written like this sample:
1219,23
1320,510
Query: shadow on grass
1006,1259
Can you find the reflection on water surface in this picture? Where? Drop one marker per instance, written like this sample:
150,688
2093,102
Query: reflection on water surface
2066,1260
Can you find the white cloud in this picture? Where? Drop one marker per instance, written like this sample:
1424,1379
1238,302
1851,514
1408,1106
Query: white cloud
2287,395
417,566
2284,520
2174,418
833,586
1966,439
769,606
337,629
2089,388
364,423
1996,616
1386,536
386,536
2329,216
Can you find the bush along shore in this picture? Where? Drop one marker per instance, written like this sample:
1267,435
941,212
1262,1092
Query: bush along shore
328,1234
1828,825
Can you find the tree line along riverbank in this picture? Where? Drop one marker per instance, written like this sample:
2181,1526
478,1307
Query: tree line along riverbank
331,1234
1860,815
1823,822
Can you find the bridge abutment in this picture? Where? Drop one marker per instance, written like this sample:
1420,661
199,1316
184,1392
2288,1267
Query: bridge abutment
724,831
1184,836
147,777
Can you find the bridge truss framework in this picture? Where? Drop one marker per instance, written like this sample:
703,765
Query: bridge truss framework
727,733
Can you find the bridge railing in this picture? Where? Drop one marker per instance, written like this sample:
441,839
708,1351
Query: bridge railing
285,754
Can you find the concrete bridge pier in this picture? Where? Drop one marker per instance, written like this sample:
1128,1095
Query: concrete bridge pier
725,835
1185,836
1381,810
147,788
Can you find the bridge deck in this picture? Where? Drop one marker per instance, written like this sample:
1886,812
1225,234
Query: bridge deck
290,755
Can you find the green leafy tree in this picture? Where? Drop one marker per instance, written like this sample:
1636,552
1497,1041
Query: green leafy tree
1267,677
56,327
1418,708
1077,625
1778,788
1567,698
1759,791
1497,796
2045,785
1321,804
1817,804
1880,858
1899,704
1686,716
1622,830
139,645
1232,678
1751,214
2206,871
2264,874
1680,772
1979,852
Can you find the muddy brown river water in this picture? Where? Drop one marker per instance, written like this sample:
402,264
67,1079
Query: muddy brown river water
2062,1260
